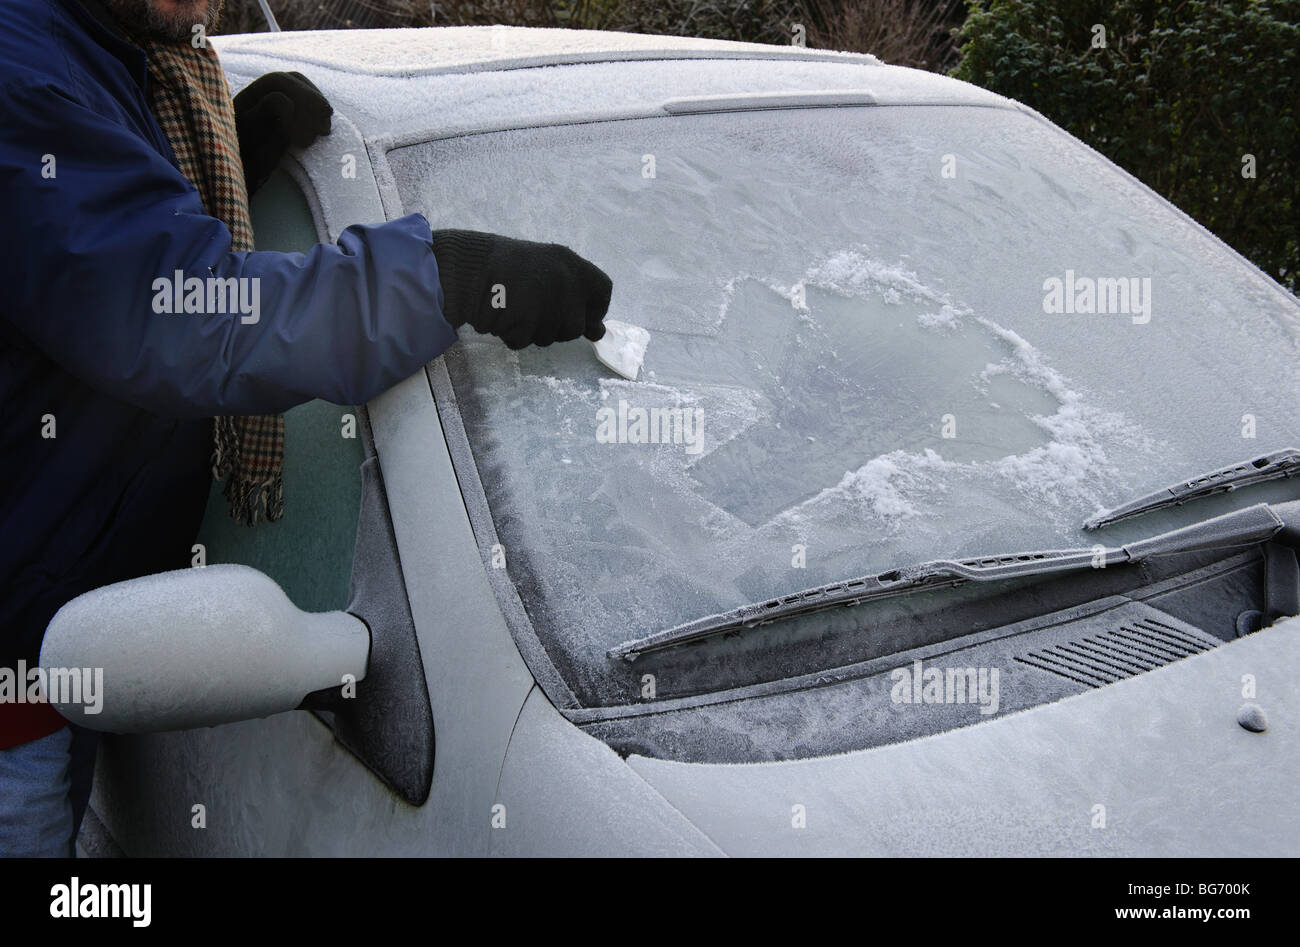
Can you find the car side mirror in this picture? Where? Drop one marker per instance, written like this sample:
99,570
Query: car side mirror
194,648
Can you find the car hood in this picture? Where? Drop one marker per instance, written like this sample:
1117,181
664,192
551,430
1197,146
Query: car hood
1156,765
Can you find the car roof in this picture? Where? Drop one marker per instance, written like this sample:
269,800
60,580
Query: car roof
433,50
401,83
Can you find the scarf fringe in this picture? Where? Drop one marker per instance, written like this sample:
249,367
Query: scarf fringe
250,497
251,502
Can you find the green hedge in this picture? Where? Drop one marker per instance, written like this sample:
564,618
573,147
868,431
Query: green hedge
1180,94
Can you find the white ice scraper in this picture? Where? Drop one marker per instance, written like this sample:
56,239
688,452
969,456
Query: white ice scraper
622,349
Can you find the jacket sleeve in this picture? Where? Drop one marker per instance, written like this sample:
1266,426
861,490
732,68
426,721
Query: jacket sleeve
87,237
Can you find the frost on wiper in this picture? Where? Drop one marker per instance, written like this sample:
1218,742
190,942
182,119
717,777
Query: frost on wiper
1275,466
1253,524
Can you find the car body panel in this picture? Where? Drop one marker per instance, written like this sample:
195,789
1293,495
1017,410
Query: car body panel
1161,752
564,793
411,53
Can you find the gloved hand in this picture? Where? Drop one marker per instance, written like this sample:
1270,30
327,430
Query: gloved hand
273,112
551,294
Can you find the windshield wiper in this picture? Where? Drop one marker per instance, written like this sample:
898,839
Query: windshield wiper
1253,524
1275,466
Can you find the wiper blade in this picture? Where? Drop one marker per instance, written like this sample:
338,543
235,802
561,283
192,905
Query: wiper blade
1275,466
1250,525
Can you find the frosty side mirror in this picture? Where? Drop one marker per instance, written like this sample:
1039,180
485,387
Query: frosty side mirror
193,648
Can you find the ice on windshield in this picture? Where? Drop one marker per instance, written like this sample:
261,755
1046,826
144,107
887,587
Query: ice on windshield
733,469
850,367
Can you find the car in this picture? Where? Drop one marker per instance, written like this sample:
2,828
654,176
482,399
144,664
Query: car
818,581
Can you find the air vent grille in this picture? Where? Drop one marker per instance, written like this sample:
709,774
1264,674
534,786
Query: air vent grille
1128,648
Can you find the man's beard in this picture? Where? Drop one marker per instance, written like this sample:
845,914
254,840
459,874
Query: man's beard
143,18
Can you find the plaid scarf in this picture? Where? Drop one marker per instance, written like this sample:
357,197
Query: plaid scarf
191,101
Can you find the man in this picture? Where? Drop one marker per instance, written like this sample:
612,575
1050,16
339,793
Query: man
123,167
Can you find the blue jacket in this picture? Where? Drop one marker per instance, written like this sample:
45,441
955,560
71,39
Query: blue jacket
119,490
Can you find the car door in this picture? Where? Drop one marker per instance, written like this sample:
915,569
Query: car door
282,784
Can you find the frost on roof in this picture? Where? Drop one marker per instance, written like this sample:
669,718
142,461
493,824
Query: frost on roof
399,52
452,94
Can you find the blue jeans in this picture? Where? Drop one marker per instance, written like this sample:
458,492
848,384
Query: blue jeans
44,787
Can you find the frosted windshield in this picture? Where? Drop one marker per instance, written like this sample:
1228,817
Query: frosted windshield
851,364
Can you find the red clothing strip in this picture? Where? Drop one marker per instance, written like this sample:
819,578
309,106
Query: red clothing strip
23,723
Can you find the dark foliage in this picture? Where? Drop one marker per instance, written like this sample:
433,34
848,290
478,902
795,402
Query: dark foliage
1179,95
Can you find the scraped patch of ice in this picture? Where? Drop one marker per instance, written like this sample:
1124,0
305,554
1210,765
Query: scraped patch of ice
726,412
946,317
854,273
885,487
1074,461
558,385
1072,464
901,499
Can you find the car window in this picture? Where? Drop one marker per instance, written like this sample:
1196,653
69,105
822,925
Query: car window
857,359
309,550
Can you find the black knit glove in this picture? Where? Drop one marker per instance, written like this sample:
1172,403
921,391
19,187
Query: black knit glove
550,294
273,112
